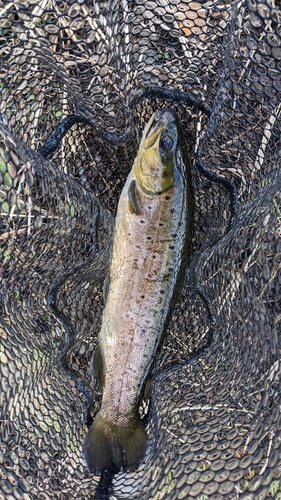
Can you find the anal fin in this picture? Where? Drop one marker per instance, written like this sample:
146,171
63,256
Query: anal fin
105,288
97,367
147,390
134,202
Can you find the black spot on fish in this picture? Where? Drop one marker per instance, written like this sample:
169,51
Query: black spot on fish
174,235
149,238
162,291
142,221
172,210
142,296
167,197
170,269
154,256
161,224
172,247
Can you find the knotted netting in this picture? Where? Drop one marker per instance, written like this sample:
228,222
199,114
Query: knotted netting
214,413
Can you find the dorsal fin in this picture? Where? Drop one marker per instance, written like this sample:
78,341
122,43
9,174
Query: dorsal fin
134,202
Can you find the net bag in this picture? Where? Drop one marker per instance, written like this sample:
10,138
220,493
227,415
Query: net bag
79,81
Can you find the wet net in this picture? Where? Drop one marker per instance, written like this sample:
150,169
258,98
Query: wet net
98,70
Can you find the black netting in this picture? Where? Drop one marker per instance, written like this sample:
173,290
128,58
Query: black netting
100,69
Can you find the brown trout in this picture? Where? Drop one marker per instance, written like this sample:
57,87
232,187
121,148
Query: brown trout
151,249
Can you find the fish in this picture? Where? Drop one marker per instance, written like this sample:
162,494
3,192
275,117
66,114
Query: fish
150,255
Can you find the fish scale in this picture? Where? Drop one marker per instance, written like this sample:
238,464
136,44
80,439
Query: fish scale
144,289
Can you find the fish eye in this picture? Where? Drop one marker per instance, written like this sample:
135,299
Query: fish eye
166,142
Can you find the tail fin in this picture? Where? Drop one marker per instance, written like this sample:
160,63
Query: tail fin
114,448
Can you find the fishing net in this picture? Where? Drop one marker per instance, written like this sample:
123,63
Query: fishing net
214,413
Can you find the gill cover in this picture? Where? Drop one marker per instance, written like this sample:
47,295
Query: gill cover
154,164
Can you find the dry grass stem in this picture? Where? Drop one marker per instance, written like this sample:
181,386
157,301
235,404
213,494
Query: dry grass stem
266,138
271,436
209,407
6,9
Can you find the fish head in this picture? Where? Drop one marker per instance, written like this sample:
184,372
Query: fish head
156,158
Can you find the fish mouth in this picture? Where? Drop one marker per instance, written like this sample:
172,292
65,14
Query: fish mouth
161,121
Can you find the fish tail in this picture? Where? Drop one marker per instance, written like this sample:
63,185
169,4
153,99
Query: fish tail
112,448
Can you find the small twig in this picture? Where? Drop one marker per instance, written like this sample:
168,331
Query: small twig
16,216
266,138
12,232
271,434
246,411
183,441
29,204
210,407
185,348
3,11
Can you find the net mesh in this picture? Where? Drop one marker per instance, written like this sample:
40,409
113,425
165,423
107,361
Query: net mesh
214,413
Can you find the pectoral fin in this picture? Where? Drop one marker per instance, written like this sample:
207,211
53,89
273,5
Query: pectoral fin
134,202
